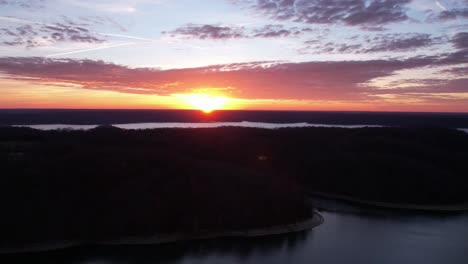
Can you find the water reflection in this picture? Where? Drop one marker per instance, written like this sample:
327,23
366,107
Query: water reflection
201,125
193,125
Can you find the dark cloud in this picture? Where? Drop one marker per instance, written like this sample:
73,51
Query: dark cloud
400,42
350,12
460,40
374,28
40,34
453,14
319,46
460,56
218,32
396,42
208,32
276,31
451,10
306,80
458,71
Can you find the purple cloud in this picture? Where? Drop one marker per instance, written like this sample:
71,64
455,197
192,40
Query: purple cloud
458,71
208,32
38,35
453,14
400,42
377,43
428,86
306,80
460,40
218,32
275,31
348,12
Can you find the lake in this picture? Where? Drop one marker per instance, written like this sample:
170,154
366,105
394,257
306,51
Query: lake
193,125
102,117
350,234
199,125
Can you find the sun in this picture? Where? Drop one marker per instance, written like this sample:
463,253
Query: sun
205,102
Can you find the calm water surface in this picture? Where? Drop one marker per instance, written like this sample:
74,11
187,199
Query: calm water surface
193,125
346,236
199,125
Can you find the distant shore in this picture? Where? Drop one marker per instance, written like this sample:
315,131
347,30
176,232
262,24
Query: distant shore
310,223
388,205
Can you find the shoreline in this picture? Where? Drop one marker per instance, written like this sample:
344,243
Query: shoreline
388,205
310,223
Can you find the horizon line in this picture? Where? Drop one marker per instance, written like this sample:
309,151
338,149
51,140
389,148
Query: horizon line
233,110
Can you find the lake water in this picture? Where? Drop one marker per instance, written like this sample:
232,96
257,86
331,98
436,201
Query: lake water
348,235
193,125
199,125
91,117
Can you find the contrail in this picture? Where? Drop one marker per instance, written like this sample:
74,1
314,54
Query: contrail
92,49
444,8
144,40
123,36
26,21
22,21
441,6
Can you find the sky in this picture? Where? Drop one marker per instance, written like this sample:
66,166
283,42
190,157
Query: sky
355,55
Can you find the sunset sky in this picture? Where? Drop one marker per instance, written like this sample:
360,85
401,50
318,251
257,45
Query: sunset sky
361,55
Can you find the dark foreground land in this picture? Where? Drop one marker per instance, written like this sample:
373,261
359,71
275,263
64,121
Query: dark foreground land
109,183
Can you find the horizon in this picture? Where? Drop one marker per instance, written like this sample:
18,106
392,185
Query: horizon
270,55
228,110
12,117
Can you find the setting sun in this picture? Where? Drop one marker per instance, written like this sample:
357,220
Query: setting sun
205,102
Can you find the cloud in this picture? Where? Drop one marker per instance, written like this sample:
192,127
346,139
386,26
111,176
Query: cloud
457,71
430,86
208,32
319,46
218,32
255,80
400,42
456,57
374,28
38,34
449,10
348,12
460,40
276,31
453,14
397,42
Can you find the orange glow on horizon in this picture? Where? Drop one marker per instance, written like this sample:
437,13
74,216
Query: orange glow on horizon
204,102
17,94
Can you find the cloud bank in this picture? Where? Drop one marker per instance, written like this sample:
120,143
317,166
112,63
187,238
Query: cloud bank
347,12
306,80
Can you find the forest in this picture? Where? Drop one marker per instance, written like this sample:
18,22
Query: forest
108,183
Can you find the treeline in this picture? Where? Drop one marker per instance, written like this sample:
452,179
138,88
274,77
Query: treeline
397,165
109,183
